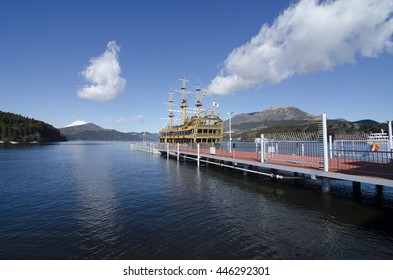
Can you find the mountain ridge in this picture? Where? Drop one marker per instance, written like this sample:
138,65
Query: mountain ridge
273,114
283,119
69,130
286,115
93,132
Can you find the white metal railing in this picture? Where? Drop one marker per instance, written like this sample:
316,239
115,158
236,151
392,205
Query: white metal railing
151,148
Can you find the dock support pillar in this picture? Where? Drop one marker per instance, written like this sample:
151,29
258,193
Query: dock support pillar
167,150
356,187
245,167
178,151
379,192
273,173
325,185
198,150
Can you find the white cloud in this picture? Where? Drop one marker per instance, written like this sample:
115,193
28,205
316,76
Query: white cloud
119,120
140,118
307,37
103,75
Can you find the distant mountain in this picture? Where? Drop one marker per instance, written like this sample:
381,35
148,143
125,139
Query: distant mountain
284,119
273,114
75,129
76,123
93,132
269,117
21,129
366,122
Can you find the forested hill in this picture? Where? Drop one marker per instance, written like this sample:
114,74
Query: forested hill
21,129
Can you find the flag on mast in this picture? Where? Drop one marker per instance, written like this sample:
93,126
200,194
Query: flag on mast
215,104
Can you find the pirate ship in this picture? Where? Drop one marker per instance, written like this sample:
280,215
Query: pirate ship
204,126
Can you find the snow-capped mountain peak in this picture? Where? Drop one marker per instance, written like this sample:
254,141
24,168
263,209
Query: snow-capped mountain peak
76,123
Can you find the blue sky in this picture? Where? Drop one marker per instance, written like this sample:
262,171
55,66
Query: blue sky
56,57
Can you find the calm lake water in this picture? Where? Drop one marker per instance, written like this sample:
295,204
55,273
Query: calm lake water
101,200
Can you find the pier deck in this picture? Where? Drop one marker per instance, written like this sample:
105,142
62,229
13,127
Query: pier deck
370,172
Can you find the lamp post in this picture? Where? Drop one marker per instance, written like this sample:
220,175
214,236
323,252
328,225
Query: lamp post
230,132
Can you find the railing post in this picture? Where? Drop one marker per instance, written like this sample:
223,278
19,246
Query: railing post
390,135
331,146
198,154
256,150
325,144
262,149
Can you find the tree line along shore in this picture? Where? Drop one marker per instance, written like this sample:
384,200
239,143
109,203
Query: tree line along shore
16,128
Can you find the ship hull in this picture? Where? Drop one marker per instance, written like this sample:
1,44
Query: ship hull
207,130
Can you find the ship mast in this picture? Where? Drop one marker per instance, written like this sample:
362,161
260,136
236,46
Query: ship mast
183,102
170,109
198,104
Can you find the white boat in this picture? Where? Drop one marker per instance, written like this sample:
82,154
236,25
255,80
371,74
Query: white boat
1,142
379,138
14,142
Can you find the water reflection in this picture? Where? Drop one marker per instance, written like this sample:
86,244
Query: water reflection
322,223
96,198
